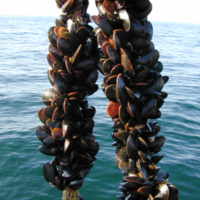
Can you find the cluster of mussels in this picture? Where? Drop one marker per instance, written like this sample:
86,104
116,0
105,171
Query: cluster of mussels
67,117
133,85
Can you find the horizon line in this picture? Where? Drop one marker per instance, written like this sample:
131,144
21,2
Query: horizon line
21,15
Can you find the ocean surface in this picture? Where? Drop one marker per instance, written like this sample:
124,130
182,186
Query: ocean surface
23,78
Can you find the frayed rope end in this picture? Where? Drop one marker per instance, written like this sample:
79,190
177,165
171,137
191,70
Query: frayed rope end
69,194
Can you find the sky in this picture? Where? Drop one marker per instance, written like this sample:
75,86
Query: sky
182,11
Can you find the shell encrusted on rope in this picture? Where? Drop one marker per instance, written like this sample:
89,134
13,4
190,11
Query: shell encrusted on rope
67,133
133,85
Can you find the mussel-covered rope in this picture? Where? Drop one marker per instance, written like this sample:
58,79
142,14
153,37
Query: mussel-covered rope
133,85
67,133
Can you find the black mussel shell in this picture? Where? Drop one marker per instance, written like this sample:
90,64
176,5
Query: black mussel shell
76,184
50,172
50,150
52,37
42,132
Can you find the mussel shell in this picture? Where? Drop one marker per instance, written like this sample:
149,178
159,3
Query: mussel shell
130,185
146,190
162,175
143,157
76,184
67,46
140,44
142,169
157,143
128,67
111,80
134,96
132,109
113,54
91,78
145,13
94,147
125,166
148,108
165,79
123,114
148,31
51,60
132,147
48,111
125,16
160,102
105,26
173,192
156,159
50,172
69,173
158,84
141,5
112,109
86,63
77,55
50,141
82,33
64,18
122,136
48,94
108,64
56,53
163,192
158,67
57,133
90,46
50,76
117,124
121,93
42,132
58,4
117,69
89,112
122,34
83,172
43,118
59,22
83,144
101,39
135,179
104,48
109,6
50,150
142,145
46,102
149,59
115,41
74,154
52,37
137,29
67,6
58,101
141,76
63,87
66,128
110,93
99,65
68,145
164,95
